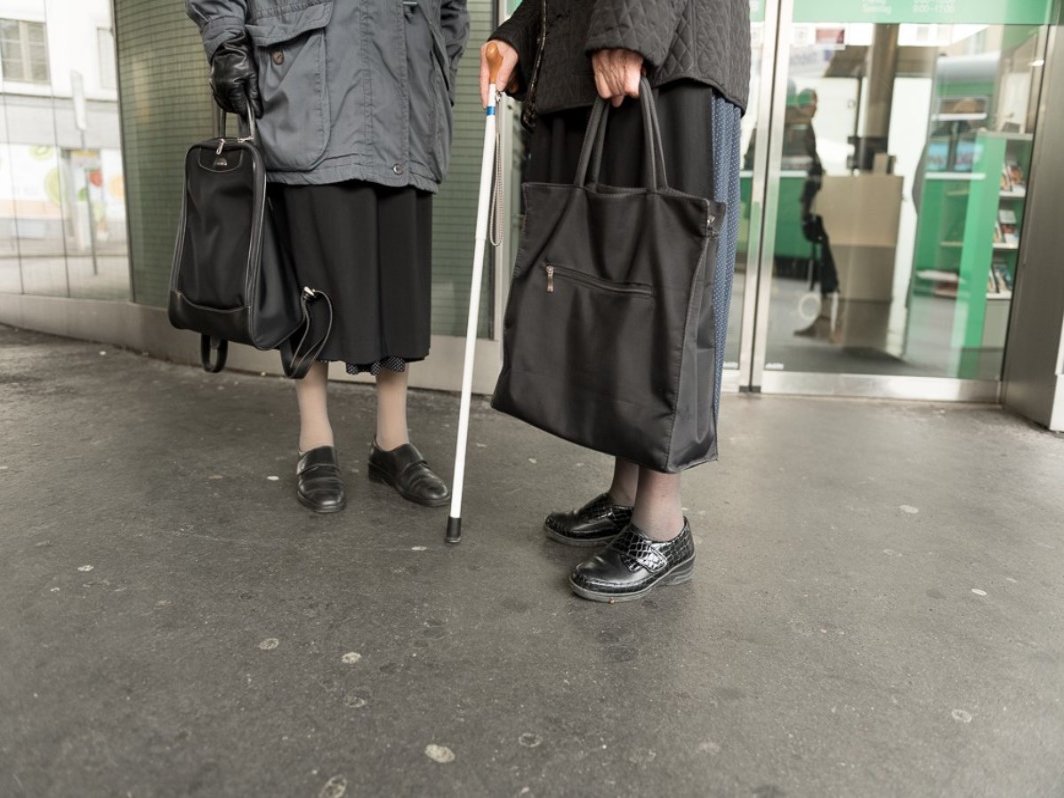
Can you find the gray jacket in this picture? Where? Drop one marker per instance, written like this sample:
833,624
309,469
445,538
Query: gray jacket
351,89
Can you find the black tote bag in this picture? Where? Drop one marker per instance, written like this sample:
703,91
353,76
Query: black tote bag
232,277
608,333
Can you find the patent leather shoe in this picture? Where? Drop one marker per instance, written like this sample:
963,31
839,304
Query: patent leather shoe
632,565
319,484
406,470
597,522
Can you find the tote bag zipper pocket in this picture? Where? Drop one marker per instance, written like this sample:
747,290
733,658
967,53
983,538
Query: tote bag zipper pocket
552,271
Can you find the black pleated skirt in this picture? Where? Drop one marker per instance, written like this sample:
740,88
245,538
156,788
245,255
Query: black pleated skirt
368,247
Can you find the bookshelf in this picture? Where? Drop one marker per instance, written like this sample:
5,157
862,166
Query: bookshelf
968,242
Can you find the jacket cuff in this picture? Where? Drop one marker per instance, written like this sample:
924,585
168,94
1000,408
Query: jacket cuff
219,30
521,31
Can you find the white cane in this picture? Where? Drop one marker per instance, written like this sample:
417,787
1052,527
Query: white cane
454,522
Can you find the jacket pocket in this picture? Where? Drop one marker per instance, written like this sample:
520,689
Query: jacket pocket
290,48
430,93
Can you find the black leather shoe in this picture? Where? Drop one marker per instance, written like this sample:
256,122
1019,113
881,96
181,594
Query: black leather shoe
406,470
597,522
320,486
632,565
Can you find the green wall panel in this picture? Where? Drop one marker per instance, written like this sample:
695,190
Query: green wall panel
165,106
943,12
455,210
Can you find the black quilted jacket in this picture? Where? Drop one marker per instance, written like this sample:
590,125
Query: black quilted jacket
703,40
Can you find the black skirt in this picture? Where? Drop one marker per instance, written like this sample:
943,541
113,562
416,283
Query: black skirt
369,247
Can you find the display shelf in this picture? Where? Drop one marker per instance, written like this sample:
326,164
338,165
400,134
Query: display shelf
994,210
938,276
961,254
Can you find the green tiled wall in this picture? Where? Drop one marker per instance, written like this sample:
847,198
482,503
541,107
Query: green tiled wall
166,105
455,210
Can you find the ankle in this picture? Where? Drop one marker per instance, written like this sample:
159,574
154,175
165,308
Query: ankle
621,497
388,443
660,528
314,441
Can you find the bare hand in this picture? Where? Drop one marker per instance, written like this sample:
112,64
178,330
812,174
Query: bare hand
507,72
617,74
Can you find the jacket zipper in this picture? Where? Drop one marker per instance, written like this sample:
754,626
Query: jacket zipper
637,289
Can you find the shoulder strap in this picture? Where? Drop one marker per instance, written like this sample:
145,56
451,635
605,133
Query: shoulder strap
302,348
219,345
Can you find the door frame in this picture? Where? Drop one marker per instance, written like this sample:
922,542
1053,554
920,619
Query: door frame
752,374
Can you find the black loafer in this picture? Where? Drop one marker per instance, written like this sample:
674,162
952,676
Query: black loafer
320,486
632,565
406,470
597,522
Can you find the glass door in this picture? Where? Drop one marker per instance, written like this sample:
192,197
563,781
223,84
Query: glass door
738,353
899,148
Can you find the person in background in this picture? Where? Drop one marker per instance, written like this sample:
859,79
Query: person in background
799,141
558,55
355,104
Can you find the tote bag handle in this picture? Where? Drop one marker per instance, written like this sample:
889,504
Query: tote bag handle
590,163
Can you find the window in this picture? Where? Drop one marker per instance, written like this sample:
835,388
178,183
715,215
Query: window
105,41
24,51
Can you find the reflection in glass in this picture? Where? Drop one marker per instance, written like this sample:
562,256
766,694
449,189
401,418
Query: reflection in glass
915,170
62,198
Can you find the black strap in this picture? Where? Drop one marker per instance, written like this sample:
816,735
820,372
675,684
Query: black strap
587,170
219,345
298,353
301,350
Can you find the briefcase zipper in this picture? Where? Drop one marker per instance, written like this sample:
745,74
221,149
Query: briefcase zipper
637,289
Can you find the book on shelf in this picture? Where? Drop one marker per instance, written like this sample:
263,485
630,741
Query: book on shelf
937,159
1017,180
1007,231
964,156
1001,276
1012,179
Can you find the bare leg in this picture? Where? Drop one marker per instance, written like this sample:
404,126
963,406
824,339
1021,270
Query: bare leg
658,510
391,410
311,394
625,482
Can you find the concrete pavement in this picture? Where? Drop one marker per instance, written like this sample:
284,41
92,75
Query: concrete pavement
878,607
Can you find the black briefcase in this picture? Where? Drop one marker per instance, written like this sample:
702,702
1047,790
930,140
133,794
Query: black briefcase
232,277
608,333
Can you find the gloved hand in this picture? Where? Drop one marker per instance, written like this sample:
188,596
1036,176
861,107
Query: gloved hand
234,79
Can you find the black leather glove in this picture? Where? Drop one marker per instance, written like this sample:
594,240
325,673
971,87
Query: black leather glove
234,79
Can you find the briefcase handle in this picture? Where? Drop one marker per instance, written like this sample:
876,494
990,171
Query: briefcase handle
220,124
590,163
